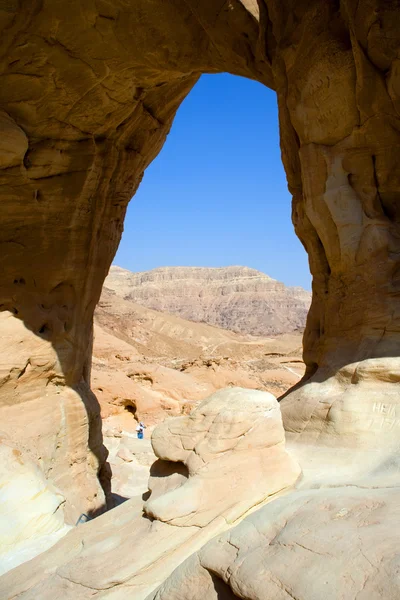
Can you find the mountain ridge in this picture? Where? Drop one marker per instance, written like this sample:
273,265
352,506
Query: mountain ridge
240,299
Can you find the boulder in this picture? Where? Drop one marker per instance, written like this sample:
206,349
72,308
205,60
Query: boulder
233,446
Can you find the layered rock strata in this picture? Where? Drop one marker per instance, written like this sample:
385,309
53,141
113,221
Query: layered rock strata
236,298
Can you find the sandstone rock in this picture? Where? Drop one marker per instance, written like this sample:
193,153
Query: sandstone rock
335,530
117,392
100,556
125,454
31,509
47,420
232,441
130,460
339,544
236,298
13,142
94,88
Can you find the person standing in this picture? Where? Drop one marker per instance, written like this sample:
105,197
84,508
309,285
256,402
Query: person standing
140,430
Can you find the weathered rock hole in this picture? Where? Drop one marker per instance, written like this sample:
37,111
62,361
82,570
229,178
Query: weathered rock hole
27,162
130,408
390,205
38,196
45,329
141,378
166,468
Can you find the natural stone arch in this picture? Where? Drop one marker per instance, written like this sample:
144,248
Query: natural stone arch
89,91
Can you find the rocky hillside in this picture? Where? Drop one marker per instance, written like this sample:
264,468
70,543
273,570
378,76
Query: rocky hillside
236,298
153,364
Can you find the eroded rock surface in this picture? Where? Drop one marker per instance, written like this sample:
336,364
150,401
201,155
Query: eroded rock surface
88,94
308,545
236,298
230,456
233,446
31,509
49,421
130,460
334,534
71,163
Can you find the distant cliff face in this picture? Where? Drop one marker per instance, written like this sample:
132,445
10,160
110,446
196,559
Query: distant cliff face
236,298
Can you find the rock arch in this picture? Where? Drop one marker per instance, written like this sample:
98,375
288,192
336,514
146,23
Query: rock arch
88,94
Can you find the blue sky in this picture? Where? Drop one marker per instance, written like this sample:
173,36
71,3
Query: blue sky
216,195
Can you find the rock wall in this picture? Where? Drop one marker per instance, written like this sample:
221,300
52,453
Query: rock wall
340,130
337,79
237,298
88,93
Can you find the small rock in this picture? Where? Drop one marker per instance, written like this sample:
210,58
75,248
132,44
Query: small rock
125,454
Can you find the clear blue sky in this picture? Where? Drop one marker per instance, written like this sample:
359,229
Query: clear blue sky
216,195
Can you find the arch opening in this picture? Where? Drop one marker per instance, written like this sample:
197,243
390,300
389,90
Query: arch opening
210,236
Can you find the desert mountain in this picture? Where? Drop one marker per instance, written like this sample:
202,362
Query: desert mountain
236,298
